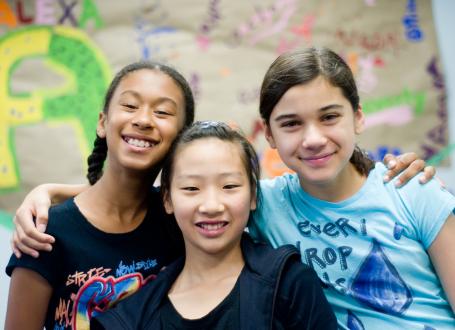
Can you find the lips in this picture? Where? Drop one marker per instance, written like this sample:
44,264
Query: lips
318,160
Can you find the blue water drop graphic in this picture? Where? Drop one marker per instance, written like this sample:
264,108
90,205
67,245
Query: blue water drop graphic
354,322
426,327
397,231
379,285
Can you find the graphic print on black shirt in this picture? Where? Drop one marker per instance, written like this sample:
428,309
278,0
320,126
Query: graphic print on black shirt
91,270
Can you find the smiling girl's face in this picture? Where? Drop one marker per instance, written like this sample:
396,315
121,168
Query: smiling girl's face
210,195
146,112
313,127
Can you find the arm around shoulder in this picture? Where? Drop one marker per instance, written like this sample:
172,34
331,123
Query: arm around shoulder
301,302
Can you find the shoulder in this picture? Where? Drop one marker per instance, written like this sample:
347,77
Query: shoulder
62,216
278,183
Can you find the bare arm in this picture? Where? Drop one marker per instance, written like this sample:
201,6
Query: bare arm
27,237
442,254
28,300
407,165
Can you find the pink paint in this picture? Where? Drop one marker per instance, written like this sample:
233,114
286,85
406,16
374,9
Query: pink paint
45,13
396,116
203,41
276,28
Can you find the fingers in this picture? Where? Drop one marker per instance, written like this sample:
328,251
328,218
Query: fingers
428,173
18,245
408,162
13,241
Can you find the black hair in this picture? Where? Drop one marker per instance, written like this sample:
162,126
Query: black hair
98,156
301,67
219,130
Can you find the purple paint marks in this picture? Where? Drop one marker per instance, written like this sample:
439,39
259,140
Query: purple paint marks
203,38
67,12
411,23
195,84
437,136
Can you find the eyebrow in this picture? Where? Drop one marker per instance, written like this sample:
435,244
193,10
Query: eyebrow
323,109
159,100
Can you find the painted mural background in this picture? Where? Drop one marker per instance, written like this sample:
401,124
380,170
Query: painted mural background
58,56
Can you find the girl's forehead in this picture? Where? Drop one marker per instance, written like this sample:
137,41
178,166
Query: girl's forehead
223,153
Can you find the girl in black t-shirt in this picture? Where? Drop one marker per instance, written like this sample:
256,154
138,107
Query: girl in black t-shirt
100,253
210,183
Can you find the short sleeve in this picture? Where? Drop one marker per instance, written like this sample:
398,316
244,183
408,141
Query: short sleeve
429,205
47,264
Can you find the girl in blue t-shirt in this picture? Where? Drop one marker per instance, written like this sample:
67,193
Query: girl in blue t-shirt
387,255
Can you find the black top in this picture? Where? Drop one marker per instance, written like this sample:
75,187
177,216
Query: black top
99,268
276,291
225,316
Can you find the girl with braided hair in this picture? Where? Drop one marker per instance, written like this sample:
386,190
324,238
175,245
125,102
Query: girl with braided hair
114,236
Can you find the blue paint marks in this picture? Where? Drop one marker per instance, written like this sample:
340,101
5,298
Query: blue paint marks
397,231
411,22
354,322
378,154
379,286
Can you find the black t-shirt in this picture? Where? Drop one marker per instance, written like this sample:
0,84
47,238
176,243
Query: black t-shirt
225,316
90,269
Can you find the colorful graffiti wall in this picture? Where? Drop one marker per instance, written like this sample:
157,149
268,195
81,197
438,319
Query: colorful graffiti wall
57,57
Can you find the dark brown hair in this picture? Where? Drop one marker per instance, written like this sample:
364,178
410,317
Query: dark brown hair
302,66
99,153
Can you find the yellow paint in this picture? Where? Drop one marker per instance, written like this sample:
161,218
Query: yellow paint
17,110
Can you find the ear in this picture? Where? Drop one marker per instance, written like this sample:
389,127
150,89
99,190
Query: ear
168,204
253,203
101,127
359,120
268,135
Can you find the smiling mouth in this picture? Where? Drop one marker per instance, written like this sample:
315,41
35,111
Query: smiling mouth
209,226
138,142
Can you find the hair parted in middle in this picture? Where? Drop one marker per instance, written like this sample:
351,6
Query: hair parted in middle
302,66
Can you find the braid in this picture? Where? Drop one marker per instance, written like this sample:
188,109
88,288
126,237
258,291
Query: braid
96,160
362,163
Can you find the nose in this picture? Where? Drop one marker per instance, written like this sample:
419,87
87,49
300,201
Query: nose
314,138
211,204
143,118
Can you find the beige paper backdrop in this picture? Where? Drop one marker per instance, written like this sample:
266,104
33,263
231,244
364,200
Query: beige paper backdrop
57,57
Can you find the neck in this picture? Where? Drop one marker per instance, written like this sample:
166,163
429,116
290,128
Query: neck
346,184
117,202
201,267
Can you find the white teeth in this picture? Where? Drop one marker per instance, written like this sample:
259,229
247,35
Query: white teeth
138,143
207,226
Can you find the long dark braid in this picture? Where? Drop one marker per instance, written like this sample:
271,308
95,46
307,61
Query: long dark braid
96,160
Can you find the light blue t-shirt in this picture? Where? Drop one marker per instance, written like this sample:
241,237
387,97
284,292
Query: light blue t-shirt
369,249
